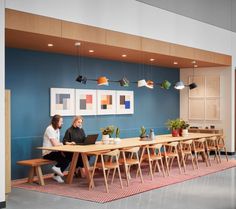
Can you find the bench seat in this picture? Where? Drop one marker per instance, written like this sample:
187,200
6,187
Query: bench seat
35,165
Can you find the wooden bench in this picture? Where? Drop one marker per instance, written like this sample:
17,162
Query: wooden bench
35,165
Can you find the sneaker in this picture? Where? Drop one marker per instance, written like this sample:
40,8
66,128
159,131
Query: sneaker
58,179
57,170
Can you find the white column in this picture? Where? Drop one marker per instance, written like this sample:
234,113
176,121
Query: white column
2,101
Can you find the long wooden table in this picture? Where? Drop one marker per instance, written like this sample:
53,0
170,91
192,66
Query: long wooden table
125,143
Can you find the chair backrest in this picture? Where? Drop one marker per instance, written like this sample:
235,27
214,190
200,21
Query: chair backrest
132,150
113,153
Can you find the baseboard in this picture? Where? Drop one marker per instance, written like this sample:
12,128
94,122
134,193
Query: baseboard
228,153
3,204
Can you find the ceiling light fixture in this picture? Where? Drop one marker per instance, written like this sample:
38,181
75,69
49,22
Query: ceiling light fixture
91,51
179,85
124,55
50,45
152,59
175,63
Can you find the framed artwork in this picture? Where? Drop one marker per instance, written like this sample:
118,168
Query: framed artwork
124,102
196,109
106,102
86,102
62,101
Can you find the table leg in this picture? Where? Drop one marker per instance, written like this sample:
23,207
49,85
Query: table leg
71,172
87,168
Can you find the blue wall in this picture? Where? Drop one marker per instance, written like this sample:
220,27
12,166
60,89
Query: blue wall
30,75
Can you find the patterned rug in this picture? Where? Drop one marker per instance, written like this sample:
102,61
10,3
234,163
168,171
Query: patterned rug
79,188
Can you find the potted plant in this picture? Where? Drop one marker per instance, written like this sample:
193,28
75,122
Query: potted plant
107,133
174,125
117,133
142,131
183,128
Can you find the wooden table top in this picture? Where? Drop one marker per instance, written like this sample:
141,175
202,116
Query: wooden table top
127,142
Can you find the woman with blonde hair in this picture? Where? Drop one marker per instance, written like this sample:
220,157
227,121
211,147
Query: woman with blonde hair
75,135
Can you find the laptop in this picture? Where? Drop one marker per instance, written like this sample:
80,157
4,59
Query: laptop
90,139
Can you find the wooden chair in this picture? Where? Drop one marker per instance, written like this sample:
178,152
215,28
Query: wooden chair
170,153
131,157
212,147
112,163
186,151
221,147
199,147
155,157
144,156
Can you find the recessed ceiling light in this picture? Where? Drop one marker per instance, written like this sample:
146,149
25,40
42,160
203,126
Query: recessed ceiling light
194,62
77,43
124,55
152,59
195,66
50,45
91,51
175,63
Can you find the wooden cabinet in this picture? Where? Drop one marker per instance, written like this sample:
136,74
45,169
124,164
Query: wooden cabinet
8,141
207,131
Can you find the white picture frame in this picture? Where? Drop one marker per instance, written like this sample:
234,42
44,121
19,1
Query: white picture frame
62,101
86,102
106,102
124,102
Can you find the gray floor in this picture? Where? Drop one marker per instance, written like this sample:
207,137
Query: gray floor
215,191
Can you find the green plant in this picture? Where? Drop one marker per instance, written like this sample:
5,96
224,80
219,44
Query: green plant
117,133
184,124
109,130
142,132
174,124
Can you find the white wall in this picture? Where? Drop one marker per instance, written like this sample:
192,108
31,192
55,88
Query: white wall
2,100
225,100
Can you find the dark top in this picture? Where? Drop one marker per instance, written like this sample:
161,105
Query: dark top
73,134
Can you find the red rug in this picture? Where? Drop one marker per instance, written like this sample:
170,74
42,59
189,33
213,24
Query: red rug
79,188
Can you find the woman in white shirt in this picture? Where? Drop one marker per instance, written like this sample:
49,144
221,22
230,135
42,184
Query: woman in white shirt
52,138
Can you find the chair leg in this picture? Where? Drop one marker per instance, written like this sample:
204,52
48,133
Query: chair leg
180,171
40,175
192,161
31,174
104,174
162,167
226,154
121,184
113,175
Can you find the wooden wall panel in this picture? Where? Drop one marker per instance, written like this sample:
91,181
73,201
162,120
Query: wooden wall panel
155,46
164,53
123,40
203,55
33,23
83,32
181,51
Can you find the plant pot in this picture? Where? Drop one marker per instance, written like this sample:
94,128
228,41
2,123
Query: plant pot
117,140
185,132
175,133
105,139
180,132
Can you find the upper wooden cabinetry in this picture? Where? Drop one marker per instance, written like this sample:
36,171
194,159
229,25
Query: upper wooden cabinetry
24,30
